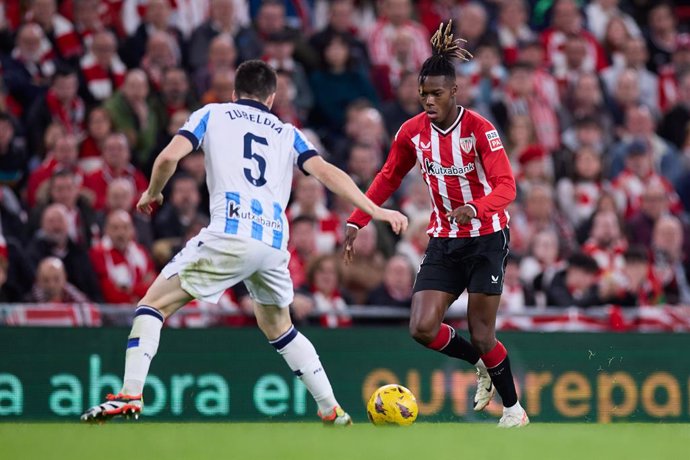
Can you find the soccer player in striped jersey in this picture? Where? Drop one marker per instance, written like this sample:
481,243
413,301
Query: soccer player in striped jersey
462,160
249,155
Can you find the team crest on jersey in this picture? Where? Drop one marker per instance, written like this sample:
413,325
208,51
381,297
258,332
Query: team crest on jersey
466,144
494,140
435,169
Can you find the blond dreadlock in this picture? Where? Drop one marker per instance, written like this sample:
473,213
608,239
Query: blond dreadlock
445,50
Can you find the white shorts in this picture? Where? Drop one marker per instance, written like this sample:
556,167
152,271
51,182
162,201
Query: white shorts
212,262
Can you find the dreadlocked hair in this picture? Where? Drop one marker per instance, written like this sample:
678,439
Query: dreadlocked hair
445,50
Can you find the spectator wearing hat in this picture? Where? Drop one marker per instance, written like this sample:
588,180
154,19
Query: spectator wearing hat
52,286
535,168
670,74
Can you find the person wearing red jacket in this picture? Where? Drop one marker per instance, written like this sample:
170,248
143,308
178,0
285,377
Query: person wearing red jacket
462,160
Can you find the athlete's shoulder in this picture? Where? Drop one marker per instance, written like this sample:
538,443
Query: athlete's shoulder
475,119
414,125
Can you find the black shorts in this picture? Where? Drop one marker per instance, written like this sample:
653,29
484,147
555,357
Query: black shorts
455,264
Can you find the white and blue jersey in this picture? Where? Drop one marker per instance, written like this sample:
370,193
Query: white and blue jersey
249,155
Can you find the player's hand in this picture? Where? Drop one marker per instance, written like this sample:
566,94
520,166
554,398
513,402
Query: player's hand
462,215
397,221
147,200
349,245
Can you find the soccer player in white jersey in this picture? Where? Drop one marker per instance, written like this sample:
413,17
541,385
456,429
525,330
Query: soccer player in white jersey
249,155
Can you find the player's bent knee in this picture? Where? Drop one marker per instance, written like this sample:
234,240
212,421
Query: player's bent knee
484,342
424,334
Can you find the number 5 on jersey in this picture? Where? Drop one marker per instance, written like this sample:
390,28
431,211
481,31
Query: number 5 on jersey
260,161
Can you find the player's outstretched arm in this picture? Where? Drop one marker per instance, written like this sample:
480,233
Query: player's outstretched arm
341,184
163,169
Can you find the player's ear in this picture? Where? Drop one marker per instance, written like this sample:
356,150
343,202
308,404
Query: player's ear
453,90
270,100
234,96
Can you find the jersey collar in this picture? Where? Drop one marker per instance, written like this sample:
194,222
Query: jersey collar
252,103
443,132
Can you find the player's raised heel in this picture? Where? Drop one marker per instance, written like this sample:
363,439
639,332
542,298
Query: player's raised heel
119,405
337,417
485,390
513,419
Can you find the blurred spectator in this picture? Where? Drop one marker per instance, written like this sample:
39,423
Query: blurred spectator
221,89
615,38
578,193
587,132
341,21
661,34
88,20
471,22
365,272
222,56
542,261
654,203
60,104
626,95
540,213
519,136
337,72
415,240
63,156
487,74
364,125
635,57
52,240
16,271
575,286
285,102
30,67
116,164
180,211
599,14
124,268
634,284
133,114
51,284
516,294
101,68
363,163
671,263
98,128
606,243
535,168
396,288
222,20
512,29
121,196
156,21
566,21
56,27
675,124
396,15
194,165
13,158
638,170
161,55
405,105
671,74
173,125
639,128
310,201
324,278
175,94
521,98
63,188
584,99
302,247
278,52
415,202
184,14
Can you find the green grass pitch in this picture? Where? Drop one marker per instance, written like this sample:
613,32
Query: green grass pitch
307,441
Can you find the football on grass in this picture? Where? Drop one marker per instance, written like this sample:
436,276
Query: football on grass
392,405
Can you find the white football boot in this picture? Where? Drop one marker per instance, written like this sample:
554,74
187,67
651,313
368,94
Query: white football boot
485,389
513,417
118,405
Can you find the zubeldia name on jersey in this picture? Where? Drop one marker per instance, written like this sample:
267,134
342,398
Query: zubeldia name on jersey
435,169
259,118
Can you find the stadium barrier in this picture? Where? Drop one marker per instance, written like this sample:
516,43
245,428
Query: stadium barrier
233,374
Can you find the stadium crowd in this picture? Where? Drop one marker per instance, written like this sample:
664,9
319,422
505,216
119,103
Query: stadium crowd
592,100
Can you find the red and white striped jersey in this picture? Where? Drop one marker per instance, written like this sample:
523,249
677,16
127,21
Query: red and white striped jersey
465,164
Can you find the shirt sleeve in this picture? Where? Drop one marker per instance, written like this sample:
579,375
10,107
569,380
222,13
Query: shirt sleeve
498,171
195,127
302,149
401,159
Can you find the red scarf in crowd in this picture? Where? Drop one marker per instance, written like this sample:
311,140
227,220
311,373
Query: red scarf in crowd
73,118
